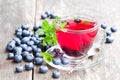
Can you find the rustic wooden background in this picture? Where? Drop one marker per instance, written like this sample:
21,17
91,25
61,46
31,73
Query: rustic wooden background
15,12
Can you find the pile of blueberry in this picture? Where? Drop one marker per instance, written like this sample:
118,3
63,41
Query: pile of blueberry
26,46
109,38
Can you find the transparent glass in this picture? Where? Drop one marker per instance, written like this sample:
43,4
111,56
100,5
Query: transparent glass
76,41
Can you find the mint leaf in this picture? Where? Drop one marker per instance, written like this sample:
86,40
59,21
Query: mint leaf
40,32
63,24
47,57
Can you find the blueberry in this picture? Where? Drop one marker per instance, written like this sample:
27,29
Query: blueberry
77,20
34,48
12,41
35,27
10,55
18,58
31,33
38,60
19,68
108,33
23,46
17,49
43,69
36,42
29,58
43,16
29,49
25,40
24,54
56,61
10,46
36,35
19,35
19,29
25,33
17,40
109,39
33,39
64,61
29,66
38,55
38,50
51,16
25,27
30,43
55,74
18,52
113,28
103,25
47,14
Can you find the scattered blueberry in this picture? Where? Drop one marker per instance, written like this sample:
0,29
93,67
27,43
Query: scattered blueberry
10,56
25,27
56,61
43,69
55,74
64,61
19,68
108,33
10,46
103,25
18,58
25,33
113,28
109,39
29,66
29,58
38,60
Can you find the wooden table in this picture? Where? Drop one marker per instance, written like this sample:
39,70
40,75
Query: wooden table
15,12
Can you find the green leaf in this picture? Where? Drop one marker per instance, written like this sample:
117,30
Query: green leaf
47,57
39,32
63,24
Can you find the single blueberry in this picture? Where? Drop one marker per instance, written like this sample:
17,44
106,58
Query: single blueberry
25,33
29,49
64,61
109,39
55,74
10,56
29,66
25,27
38,55
18,58
35,27
19,29
34,48
56,61
19,68
113,28
36,42
43,69
24,54
19,35
29,58
108,33
25,40
103,25
10,46
17,49
38,61
17,40
43,16
51,16
30,43
23,46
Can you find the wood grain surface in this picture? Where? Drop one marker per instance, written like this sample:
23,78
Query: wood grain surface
15,12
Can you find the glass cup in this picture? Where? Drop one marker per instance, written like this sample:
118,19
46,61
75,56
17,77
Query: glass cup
77,36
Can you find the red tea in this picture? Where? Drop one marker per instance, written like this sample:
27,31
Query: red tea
78,37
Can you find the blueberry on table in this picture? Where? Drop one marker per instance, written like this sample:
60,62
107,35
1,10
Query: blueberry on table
10,56
17,40
29,66
43,16
43,69
18,58
55,74
113,28
47,14
25,33
25,40
17,49
25,27
29,58
19,29
64,61
19,68
10,46
109,39
38,60
51,16
24,54
19,35
56,61
103,26
108,33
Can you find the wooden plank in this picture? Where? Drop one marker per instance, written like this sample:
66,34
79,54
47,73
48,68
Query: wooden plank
109,69
12,14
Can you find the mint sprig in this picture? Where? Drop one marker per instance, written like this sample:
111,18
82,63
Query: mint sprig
47,57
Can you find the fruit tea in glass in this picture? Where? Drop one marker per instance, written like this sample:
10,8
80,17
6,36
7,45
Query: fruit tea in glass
77,35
